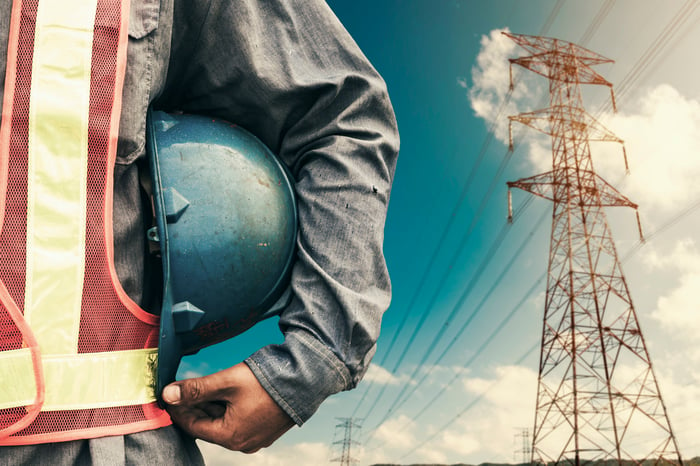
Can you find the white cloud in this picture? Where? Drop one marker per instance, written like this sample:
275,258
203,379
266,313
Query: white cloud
681,398
459,443
662,138
678,310
397,433
488,427
683,257
378,375
499,389
508,404
491,73
490,99
661,130
476,418
400,436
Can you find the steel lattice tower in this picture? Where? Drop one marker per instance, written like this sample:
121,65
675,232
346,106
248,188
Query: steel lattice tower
597,397
345,458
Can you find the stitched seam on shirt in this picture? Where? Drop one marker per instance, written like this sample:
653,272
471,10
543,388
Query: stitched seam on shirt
148,80
327,356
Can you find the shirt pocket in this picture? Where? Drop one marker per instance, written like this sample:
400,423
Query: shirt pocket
143,24
143,17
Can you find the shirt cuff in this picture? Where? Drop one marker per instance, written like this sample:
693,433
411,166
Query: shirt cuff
299,374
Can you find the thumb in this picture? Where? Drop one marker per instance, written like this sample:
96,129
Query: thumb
172,394
189,391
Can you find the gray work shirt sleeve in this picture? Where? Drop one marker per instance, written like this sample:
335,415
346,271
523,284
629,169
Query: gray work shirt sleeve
290,73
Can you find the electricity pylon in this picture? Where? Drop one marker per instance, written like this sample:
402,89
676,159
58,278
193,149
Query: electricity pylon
524,449
597,395
345,458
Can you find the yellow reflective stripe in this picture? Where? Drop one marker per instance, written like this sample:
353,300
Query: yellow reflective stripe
18,387
56,206
83,381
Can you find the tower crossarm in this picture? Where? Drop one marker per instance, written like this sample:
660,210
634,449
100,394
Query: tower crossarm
554,120
540,185
560,67
344,460
594,192
609,196
559,60
540,45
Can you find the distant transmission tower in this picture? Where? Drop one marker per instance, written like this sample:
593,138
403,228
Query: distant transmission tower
597,396
345,458
524,447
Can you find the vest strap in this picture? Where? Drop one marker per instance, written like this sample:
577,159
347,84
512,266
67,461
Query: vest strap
96,380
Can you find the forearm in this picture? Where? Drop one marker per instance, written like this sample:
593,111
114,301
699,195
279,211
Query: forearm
294,77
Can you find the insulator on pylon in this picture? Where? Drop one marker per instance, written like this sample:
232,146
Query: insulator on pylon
510,72
639,225
624,155
510,136
612,97
510,206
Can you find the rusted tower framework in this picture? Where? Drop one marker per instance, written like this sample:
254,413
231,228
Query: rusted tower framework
597,397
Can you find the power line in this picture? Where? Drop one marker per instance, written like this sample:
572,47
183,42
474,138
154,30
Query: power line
675,219
443,237
477,309
443,278
478,162
486,143
477,216
596,22
652,52
552,16
489,137
461,371
481,348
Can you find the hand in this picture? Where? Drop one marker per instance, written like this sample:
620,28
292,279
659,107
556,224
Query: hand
229,408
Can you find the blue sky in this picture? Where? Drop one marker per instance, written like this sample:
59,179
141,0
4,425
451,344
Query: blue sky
445,65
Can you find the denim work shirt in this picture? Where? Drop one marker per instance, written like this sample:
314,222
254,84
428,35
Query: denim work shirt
288,72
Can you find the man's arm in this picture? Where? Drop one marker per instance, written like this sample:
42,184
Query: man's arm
290,73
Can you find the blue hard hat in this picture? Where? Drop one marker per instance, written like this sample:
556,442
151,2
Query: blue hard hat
226,226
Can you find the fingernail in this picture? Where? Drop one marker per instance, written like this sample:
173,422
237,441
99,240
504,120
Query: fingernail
171,394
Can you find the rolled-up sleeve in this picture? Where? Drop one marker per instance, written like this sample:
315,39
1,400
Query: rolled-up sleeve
290,73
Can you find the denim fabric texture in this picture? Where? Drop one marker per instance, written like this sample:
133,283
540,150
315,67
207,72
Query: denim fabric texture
288,72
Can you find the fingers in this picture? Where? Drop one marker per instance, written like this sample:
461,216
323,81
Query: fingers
199,407
229,408
196,421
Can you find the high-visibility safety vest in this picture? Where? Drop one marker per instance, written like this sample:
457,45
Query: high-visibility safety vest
77,355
